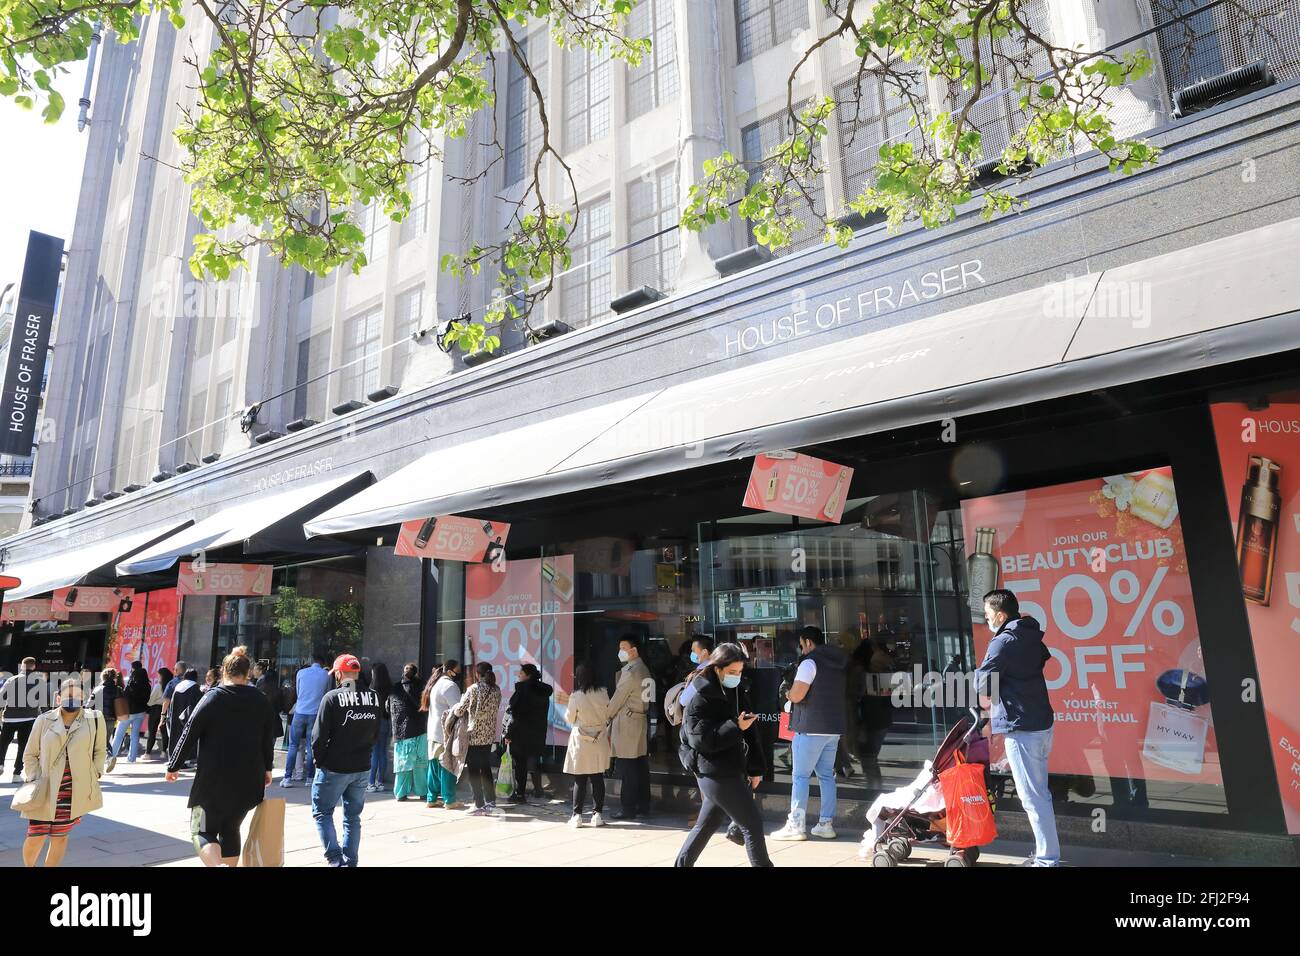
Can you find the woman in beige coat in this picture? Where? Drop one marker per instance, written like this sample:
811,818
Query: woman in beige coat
71,772
588,755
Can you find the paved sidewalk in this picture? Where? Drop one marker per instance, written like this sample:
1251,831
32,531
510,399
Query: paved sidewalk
144,822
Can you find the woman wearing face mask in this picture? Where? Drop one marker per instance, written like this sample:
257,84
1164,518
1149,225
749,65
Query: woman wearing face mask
65,752
714,749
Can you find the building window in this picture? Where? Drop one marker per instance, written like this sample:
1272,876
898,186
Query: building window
652,208
998,115
374,224
361,337
416,223
586,96
1225,38
523,123
313,384
870,113
216,432
654,82
410,313
764,24
756,141
191,446
585,289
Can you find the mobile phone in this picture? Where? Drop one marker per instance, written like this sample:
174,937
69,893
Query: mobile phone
425,533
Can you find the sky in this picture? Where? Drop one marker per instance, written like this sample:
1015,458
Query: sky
40,173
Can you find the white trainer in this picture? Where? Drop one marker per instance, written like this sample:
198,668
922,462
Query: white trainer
789,833
575,821
824,829
597,820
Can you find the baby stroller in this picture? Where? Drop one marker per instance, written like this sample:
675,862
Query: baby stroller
914,815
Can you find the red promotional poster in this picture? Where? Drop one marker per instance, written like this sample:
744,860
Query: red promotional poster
451,537
197,578
34,609
93,600
1101,565
149,632
524,615
1260,455
793,484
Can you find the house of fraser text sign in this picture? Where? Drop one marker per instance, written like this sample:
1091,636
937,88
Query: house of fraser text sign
809,315
33,316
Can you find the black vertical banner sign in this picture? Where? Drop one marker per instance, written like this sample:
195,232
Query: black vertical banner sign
25,367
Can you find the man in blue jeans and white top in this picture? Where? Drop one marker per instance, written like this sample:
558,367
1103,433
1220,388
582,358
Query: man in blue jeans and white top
312,683
342,739
818,718
1022,713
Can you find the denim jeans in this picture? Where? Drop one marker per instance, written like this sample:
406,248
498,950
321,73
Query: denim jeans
1027,752
379,756
300,736
326,790
812,754
135,724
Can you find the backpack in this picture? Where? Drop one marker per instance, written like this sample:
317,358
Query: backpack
674,712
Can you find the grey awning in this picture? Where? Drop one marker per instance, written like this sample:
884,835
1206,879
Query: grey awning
262,524
1218,302
88,564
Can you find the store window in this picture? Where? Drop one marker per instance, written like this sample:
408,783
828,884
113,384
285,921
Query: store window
313,608
410,313
871,113
416,223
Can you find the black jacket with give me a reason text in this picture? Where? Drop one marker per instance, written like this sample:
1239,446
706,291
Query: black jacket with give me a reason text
347,726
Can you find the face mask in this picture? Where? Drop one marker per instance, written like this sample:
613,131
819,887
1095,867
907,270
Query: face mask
72,704
730,681
622,656
695,658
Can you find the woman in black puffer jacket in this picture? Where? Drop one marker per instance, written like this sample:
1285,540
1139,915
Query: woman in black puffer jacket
714,749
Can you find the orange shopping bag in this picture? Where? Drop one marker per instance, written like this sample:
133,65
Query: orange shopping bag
970,818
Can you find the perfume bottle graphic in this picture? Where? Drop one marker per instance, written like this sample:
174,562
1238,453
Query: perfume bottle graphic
1257,528
558,581
1176,734
770,493
426,532
836,494
981,571
1154,499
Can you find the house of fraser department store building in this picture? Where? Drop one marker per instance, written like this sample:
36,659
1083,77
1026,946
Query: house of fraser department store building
1086,400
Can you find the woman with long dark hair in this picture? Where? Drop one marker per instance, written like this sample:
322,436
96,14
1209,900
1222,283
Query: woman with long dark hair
714,749
382,685
411,746
482,703
157,728
588,755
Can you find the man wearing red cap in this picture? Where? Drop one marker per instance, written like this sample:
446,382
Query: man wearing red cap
342,740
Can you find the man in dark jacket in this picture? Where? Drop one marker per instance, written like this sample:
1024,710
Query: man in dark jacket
23,699
817,705
1012,676
347,726
185,697
525,733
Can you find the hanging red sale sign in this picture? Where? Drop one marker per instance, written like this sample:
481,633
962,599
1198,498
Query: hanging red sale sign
94,600
451,537
1100,564
232,580
789,483
33,609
